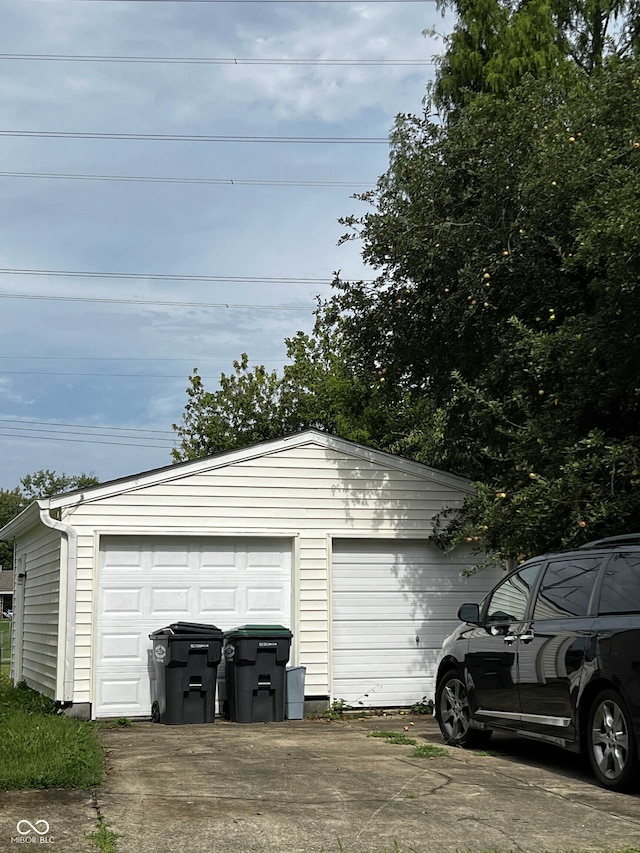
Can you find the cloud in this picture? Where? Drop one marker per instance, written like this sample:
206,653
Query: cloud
119,363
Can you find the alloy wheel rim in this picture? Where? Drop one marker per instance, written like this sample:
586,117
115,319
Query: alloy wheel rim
454,709
610,739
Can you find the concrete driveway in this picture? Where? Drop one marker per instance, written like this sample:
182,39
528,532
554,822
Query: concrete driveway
313,785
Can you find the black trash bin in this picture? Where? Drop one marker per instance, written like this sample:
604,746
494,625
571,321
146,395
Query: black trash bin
186,657
256,659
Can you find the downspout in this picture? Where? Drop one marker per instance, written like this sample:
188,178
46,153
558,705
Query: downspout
66,604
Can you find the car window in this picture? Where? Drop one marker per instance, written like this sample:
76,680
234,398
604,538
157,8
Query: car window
621,585
508,603
566,587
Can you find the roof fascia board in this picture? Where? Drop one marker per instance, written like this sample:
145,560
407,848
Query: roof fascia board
265,448
174,472
29,517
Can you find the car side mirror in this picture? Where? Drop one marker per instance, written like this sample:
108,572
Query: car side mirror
469,613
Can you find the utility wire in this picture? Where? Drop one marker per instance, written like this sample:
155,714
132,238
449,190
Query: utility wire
111,301
265,2
202,60
93,375
85,426
236,279
22,437
52,432
170,180
155,359
182,137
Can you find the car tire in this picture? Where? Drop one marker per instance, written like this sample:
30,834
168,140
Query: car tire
610,742
454,714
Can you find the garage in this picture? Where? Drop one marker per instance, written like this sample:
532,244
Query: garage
393,602
146,583
327,537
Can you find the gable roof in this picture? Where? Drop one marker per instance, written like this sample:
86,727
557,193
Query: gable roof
308,438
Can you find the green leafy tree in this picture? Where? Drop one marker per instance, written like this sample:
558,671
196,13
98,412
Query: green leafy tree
497,340
45,483
40,484
245,409
496,44
321,387
11,503
507,245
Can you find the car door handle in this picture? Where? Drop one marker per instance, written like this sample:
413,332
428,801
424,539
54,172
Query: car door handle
509,638
526,638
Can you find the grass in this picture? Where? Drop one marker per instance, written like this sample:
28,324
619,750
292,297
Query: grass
394,737
429,750
41,749
425,750
5,645
103,838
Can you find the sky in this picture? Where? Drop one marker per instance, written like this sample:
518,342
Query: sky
113,287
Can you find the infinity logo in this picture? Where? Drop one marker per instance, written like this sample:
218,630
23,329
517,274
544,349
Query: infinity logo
32,827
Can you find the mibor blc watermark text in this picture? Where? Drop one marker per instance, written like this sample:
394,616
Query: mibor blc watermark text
33,833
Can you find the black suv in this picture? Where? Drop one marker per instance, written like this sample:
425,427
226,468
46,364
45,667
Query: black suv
553,653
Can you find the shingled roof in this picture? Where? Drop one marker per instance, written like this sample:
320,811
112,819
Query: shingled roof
6,580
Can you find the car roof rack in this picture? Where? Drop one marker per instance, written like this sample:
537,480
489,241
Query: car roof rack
625,539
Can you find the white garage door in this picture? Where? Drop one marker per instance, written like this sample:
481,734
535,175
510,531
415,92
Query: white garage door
393,604
146,583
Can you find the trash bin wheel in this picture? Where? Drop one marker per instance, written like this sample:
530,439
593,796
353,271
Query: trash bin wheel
155,712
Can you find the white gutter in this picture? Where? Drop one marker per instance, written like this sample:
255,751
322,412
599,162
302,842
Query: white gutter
66,604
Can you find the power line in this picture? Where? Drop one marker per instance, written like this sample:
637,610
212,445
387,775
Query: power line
155,359
93,375
85,426
50,433
22,437
182,137
265,2
166,303
178,180
231,279
202,60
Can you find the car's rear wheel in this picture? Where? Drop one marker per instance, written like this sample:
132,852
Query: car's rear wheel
610,742
454,714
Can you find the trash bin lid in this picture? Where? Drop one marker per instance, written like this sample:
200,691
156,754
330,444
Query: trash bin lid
194,628
259,631
185,629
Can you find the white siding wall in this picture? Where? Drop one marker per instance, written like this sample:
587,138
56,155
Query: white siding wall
38,554
309,491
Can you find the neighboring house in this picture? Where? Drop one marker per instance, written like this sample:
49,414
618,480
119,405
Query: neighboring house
6,590
322,535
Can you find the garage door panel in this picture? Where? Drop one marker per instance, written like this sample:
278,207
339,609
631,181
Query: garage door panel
392,604
120,601
123,692
263,599
121,648
427,605
220,601
148,583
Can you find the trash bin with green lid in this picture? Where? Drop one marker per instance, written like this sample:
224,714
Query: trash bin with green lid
256,659
185,658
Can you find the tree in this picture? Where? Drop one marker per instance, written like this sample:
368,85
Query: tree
496,44
496,341
11,503
507,244
40,484
45,483
320,388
